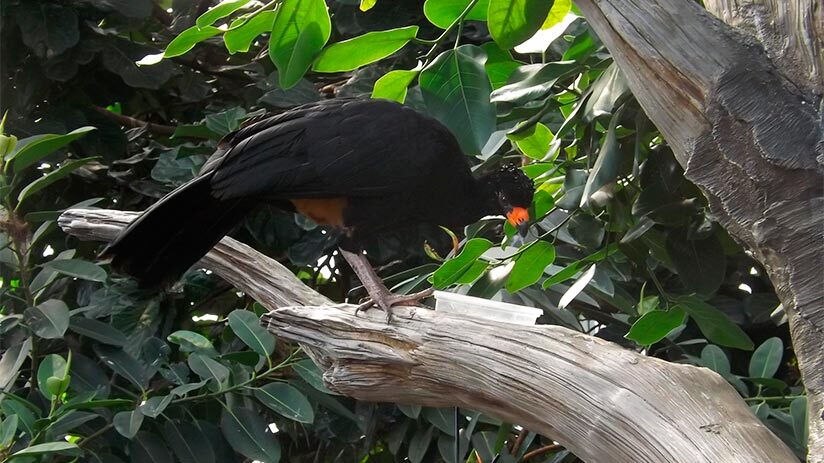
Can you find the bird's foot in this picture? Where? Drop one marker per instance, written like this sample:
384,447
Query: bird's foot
385,301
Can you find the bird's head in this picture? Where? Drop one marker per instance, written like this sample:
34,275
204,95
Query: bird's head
513,193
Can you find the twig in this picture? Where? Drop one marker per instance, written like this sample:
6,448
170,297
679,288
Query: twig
541,451
128,121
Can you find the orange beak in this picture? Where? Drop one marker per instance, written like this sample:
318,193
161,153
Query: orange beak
518,217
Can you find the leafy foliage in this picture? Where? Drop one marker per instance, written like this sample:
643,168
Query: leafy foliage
620,244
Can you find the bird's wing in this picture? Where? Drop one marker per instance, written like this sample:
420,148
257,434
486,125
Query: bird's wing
346,148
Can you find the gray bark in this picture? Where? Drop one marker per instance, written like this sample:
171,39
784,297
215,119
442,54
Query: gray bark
744,118
604,403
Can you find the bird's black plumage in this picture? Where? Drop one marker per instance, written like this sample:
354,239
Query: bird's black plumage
388,165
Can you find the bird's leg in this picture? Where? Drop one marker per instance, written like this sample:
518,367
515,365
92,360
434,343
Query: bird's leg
379,294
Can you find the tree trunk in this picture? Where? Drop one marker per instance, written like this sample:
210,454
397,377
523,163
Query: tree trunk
744,119
605,403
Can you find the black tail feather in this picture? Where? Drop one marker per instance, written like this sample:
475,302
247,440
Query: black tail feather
174,233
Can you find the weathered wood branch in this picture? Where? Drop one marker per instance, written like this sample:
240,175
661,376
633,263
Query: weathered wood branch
603,402
747,134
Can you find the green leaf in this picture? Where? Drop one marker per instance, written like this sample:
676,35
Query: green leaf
351,54
51,366
78,268
240,38
219,11
536,144
154,406
533,82
127,424
11,362
454,268
58,174
310,373
225,122
366,5
189,442
456,92
514,21
188,39
583,46
608,91
485,444
701,264
767,358
441,418
300,30
124,365
655,325
798,411
443,13
33,149
246,432
247,327
99,331
189,341
473,273
393,85
63,448
287,401
49,320
559,10
530,265
577,287
715,325
499,64
606,169
8,429
184,389
419,444
146,447
647,304
715,359
208,368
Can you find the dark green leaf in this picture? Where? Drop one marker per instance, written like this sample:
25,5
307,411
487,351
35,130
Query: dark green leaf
208,368
574,183
219,11
154,406
656,325
441,418
514,21
62,448
533,82
78,268
224,122
485,444
124,365
605,172
419,444
456,92
608,91
246,432
530,265
310,373
11,362
31,150
798,411
148,448
46,28
715,359
393,85
98,331
240,38
245,357
48,320
189,443
58,174
767,358
189,341
453,269
247,327
351,54
287,401
8,429
127,424
187,40
300,30
412,411
701,264
51,365
443,12
715,325
184,389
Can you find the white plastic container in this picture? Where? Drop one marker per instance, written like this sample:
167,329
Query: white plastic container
484,308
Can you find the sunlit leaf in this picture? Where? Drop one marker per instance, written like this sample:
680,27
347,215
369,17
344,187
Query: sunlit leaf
300,30
219,11
187,40
655,325
393,85
443,12
514,21
530,265
351,54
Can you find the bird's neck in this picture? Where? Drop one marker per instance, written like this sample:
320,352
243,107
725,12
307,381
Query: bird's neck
485,201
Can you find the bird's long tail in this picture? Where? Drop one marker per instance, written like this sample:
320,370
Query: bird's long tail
174,233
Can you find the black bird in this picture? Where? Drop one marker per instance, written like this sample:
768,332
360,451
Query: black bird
365,166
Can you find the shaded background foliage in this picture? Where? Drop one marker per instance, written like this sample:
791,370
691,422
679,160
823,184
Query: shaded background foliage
93,368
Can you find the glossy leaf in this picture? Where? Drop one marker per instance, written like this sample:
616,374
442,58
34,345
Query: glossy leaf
419,444
456,91
189,341
78,268
454,268
246,432
33,149
219,11
443,13
351,54
441,418
187,40
127,424
247,327
146,447
533,81
49,448
514,21
239,38
499,64
61,172
715,359
536,144
286,401
300,30
154,406
11,361
530,265
97,330
188,442
701,264
605,171
51,366
8,429
767,358
49,319
577,287
124,365
655,325
715,325
208,368
394,85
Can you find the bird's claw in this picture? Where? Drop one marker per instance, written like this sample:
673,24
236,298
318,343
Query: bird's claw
386,301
